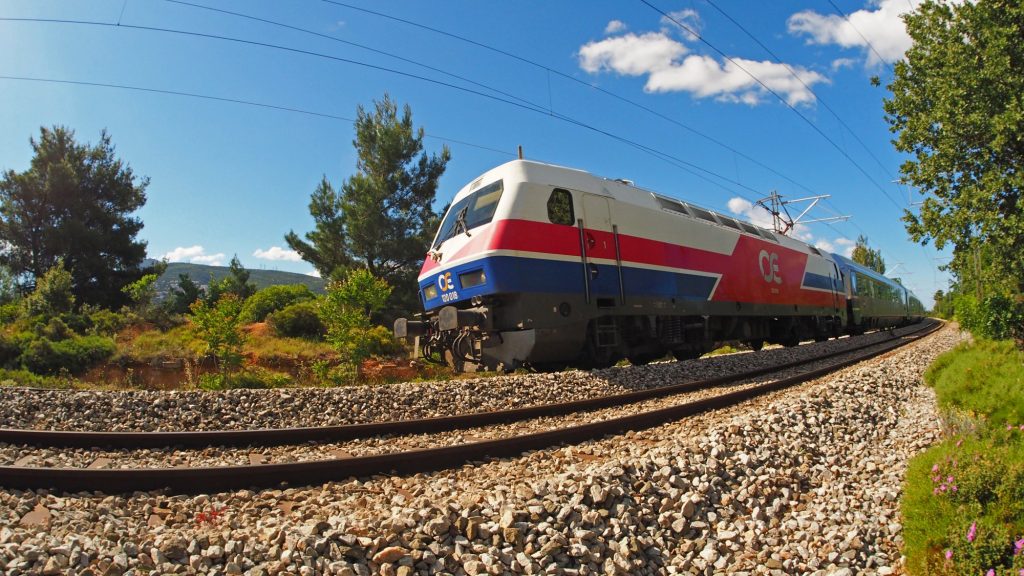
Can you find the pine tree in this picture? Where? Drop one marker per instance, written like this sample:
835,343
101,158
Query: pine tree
74,202
383,219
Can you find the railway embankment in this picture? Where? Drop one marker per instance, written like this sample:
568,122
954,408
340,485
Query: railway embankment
805,480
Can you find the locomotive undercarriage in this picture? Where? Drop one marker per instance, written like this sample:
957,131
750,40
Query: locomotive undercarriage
551,332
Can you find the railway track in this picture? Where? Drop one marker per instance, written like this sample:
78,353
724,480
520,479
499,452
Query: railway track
206,479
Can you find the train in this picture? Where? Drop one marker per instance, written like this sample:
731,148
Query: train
542,266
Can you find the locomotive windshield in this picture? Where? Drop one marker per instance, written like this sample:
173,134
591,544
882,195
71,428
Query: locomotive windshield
474,210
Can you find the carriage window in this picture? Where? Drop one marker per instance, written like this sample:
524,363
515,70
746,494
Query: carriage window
560,207
670,204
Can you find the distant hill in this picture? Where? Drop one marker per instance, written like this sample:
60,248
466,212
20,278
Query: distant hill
201,274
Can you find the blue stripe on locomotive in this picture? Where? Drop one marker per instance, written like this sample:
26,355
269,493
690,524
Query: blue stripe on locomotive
511,274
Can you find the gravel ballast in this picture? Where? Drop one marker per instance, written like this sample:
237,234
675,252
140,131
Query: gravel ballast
127,410
805,480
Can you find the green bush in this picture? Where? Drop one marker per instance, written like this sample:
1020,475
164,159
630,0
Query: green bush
996,317
106,322
252,378
55,330
300,320
273,298
10,350
25,378
73,355
964,498
10,312
984,378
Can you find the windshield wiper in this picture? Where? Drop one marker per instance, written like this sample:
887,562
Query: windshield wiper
460,220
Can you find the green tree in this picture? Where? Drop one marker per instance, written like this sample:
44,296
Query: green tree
8,286
218,325
185,294
867,256
53,293
383,218
346,310
236,282
956,107
74,202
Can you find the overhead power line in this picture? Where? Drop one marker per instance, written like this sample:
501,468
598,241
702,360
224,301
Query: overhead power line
767,88
862,36
234,101
689,167
576,80
809,88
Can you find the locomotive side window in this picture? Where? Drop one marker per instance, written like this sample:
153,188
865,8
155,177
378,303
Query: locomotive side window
702,213
560,207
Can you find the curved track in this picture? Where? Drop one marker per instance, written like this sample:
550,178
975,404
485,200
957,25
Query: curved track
225,478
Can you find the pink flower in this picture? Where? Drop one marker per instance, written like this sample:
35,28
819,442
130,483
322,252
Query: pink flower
953,488
972,532
949,554
959,442
935,467
1018,546
935,491
949,479
1009,426
1022,427
991,572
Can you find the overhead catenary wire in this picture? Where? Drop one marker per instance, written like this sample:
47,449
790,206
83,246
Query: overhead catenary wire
793,73
768,89
690,167
857,30
576,80
234,101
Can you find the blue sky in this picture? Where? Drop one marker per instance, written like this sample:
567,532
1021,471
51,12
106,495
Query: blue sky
234,179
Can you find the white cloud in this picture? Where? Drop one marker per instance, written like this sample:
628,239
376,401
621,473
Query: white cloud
195,254
688,18
662,60
631,54
840,63
880,24
314,273
615,26
277,253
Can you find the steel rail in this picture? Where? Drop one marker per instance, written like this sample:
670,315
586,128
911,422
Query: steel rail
299,435
209,479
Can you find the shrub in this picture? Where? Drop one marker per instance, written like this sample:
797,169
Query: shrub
273,298
300,320
253,378
10,312
346,310
73,355
106,322
10,350
963,505
218,326
55,330
997,317
53,294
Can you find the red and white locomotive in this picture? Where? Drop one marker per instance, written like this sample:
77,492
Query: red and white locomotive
548,266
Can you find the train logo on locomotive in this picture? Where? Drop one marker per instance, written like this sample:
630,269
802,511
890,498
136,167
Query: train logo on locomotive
769,266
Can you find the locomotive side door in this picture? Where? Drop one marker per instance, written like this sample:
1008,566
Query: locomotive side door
599,240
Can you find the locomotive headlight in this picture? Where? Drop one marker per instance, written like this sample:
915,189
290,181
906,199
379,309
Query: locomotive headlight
430,292
471,279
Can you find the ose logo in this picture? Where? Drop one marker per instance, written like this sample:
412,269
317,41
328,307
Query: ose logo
444,282
769,266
